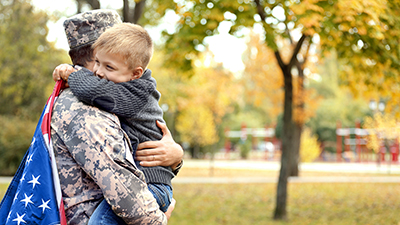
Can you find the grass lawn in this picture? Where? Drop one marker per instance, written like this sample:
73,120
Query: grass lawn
308,203
3,189
218,172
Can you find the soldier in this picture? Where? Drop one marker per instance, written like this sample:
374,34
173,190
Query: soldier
93,153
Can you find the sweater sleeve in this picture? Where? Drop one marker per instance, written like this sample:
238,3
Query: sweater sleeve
124,99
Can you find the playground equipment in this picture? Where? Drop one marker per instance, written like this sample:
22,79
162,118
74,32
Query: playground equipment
261,139
351,143
353,140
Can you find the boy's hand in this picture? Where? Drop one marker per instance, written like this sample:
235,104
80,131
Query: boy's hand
165,152
62,72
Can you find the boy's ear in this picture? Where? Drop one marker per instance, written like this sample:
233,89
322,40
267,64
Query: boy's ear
137,73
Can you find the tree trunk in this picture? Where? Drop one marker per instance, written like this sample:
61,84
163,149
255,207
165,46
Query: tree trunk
289,131
294,160
78,6
133,15
195,151
294,163
126,11
94,4
138,11
287,144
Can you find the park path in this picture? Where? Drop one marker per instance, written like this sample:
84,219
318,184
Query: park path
342,167
375,173
385,173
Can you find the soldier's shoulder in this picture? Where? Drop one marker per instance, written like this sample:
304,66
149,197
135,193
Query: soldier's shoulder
67,103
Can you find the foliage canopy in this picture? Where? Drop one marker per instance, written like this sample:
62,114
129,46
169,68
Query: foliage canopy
27,62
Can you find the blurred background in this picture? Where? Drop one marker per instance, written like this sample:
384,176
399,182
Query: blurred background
285,81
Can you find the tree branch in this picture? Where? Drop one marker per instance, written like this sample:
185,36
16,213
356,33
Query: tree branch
282,65
260,10
297,49
138,11
288,33
125,11
78,6
95,4
133,15
307,53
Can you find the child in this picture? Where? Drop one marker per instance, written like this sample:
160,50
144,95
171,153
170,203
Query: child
125,87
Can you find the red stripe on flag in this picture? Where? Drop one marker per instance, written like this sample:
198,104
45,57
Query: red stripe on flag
50,103
63,220
46,130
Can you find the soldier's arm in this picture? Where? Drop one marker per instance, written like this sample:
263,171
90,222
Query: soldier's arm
98,145
165,152
124,99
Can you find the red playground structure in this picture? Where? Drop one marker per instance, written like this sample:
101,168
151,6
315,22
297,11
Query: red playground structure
351,146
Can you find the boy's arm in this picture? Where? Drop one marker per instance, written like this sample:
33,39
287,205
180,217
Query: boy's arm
123,99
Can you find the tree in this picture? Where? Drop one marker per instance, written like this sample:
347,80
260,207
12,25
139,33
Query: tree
310,147
94,4
197,127
264,84
262,78
210,93
27,62
357,29
365,36
143,12
381,128
338,104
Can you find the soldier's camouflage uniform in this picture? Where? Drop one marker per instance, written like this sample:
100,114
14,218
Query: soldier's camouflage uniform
94,160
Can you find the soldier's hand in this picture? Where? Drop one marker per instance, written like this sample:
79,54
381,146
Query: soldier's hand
165,152
171,208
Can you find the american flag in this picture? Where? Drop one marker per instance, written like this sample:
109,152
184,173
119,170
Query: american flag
34,195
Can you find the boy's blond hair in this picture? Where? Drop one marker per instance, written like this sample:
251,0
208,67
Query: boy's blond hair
131,41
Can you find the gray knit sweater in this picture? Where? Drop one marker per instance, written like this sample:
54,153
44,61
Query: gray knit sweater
135,103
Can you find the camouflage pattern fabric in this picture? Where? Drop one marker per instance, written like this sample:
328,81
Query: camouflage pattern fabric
94,160
85,28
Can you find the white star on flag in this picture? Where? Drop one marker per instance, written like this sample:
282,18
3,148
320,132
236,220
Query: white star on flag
19,219
22,178
9,215
34,181
29,159
44,205
16,197
33,141
27,200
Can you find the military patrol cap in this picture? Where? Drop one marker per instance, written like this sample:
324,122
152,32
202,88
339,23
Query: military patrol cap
85,28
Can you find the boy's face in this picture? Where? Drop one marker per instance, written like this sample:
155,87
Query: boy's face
112,67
